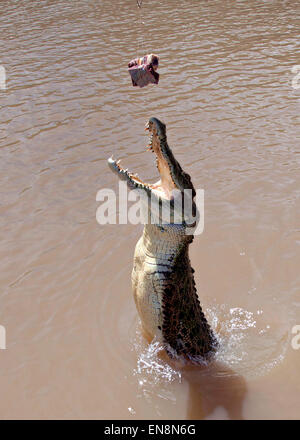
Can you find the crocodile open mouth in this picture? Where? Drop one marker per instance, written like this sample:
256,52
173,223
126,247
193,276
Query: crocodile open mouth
158,145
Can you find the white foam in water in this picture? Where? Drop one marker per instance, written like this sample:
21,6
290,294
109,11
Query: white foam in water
153,368
248,345
154,375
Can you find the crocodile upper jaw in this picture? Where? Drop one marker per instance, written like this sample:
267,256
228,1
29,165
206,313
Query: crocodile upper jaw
165,186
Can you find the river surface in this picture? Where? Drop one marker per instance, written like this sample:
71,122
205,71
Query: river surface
74,347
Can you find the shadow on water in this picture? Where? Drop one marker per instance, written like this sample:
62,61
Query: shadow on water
214,390
211,387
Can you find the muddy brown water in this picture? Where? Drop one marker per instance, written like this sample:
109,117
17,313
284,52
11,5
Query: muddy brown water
74,347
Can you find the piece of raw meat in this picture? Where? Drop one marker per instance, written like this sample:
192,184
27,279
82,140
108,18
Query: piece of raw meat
143,70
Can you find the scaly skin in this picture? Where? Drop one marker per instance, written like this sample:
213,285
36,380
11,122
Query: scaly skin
162,277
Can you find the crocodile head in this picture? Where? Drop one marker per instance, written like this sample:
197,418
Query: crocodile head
174,189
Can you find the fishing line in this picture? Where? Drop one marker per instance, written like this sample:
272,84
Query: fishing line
141,40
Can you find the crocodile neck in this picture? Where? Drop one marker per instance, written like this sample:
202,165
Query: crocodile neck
164,242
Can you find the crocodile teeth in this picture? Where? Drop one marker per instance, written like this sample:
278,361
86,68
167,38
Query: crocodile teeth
150,145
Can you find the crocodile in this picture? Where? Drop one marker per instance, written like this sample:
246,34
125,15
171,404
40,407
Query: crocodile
162,277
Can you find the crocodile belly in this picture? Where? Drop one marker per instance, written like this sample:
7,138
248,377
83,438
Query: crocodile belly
148,303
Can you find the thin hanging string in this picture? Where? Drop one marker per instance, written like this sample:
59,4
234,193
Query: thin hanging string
141,44
141,31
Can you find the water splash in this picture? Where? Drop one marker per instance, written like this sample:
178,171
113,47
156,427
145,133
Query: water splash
250,343
151,367
153,374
